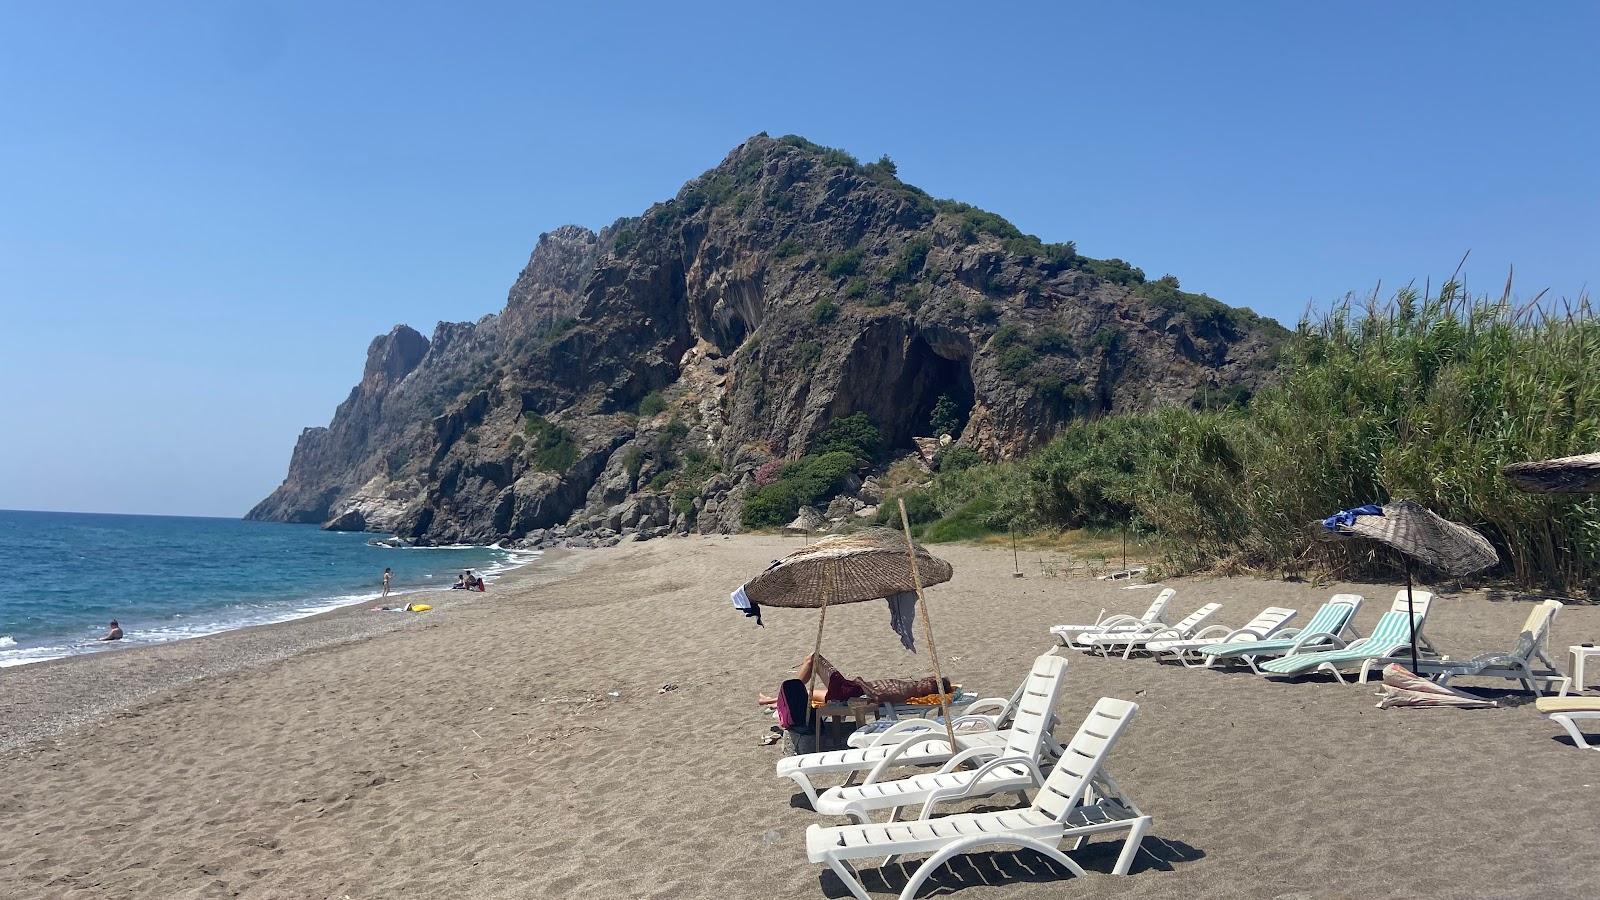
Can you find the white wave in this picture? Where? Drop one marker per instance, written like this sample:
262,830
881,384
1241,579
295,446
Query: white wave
7,640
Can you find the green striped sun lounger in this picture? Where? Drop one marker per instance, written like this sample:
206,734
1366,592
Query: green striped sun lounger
1326,630
1392,634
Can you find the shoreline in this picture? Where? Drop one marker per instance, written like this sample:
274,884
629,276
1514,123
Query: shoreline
45,699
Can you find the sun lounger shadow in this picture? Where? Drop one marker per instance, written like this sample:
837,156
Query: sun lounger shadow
1009,867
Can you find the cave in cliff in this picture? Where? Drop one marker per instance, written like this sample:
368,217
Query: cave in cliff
897,379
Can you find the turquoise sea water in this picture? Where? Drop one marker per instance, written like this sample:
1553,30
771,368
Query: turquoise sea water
64,576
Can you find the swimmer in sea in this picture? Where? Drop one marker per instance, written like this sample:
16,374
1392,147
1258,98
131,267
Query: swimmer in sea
115,634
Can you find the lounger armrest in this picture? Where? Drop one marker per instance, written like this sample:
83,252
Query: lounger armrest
1241,635
966,755
975,707
1209,630
899,750
989,723
1119,619
902,727
1317,638
939,795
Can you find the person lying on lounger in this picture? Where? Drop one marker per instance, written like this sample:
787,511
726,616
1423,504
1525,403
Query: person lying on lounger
833,687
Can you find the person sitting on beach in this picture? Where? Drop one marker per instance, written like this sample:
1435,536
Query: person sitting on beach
461,583
115,634
833,687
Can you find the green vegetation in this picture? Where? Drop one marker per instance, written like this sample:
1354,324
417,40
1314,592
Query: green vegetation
854,434
786,248
806,480
842,447
652,404
908,263
807,353
1019,350
842,265
947,416
551,448
1423,398
824,312
956,458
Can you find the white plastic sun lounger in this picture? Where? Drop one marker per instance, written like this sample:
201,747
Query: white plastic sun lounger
1155,614
921,748
1010,768
1106,643
1076,800
1327,629
1566,712
1516,664
1271,620
1390,636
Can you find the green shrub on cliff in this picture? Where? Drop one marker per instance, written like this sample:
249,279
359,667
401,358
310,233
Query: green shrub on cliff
551,448
807,480
854,434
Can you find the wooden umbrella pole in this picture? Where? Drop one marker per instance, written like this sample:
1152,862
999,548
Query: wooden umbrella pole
816,655
927,627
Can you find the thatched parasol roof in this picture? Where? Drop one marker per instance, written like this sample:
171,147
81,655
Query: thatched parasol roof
845,568
1424,536
1567,475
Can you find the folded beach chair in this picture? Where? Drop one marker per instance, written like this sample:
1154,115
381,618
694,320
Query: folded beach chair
923,748
1010,768
1106,643
1392,634
1076,800
1516,664
1326,630
1156,613
1566,711
1271,620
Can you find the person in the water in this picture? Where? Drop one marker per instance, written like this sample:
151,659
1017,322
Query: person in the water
115,634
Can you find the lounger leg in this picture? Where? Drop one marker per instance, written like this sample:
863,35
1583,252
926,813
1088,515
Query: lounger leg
848,876
1572,729
1331,668
805,785
957,848
1130,845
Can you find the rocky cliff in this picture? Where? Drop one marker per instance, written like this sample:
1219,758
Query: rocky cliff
638,378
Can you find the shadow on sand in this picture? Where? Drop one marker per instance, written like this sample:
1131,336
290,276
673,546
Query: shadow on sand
1000,867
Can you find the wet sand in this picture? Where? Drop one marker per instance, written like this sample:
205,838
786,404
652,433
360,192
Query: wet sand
517,744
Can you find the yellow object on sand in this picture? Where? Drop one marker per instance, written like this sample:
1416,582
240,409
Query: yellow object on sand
418,607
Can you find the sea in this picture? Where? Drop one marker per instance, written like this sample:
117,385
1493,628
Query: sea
65,576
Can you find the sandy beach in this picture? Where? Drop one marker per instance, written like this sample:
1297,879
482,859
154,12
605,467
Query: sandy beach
517,744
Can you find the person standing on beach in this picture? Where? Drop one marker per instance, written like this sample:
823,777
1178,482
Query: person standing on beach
388,575
115,634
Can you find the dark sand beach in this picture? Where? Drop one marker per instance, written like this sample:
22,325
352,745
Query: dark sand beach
515,744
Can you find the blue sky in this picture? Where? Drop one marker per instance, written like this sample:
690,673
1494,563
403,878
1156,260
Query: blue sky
207,210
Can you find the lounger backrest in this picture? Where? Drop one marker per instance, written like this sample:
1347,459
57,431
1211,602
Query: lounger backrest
1158,606
1536,630
1334,616
1393,628
1031,724
1193,620
1420,601
1270,619
1063,790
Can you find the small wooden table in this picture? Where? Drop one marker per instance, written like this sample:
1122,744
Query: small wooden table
855,708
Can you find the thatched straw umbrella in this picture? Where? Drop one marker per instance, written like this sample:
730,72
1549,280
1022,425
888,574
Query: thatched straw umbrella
852,568
1420,535
1567,475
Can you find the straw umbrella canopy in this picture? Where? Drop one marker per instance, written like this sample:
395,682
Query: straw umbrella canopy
1423,536
852,568
1567,475
846,568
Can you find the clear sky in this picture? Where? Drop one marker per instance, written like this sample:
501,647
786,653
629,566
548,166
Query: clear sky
208,209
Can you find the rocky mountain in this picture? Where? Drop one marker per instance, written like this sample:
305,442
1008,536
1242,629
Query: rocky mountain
641,379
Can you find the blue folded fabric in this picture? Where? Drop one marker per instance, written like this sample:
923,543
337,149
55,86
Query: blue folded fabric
1346,518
